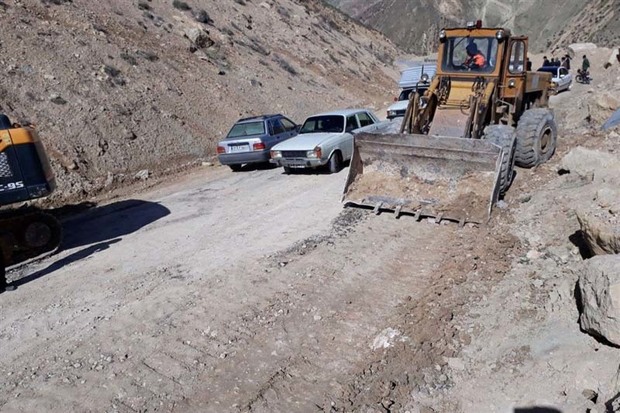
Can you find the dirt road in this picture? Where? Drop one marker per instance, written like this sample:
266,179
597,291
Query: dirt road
235,292
256,291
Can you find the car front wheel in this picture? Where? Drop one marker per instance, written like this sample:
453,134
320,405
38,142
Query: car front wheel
335,163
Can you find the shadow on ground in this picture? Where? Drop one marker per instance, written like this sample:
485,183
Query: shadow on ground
537,409
103,223
97,227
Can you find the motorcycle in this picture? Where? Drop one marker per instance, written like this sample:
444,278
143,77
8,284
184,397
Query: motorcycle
583,77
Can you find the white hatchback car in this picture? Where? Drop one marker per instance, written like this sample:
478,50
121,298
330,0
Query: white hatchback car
562,79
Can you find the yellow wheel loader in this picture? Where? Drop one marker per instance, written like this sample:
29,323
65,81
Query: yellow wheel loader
25,174
453,155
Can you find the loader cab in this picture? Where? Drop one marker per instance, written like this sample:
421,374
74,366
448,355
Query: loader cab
459,46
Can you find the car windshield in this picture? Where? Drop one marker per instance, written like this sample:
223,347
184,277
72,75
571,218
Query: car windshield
330,123
246,129
404,95
465,54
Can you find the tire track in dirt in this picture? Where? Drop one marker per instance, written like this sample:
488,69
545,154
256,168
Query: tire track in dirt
309,339
408,376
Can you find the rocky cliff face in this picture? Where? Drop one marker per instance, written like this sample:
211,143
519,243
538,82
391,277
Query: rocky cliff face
120,86
413,24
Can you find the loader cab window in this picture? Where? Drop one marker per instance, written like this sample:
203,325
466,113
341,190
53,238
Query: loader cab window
517,58
469,54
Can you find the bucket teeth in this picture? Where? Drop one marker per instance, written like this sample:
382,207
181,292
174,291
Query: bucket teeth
442,178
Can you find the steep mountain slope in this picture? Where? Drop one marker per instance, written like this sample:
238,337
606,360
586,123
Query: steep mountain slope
413,24
118,86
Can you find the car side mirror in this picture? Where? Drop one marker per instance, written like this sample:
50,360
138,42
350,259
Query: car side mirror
562,76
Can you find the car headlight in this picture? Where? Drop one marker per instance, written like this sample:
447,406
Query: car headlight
391,113
315,153
276,154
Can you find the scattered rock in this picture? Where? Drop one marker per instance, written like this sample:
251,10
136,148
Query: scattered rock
142,175
590,395
533,255
456,364
207,164
202,16
199,38
606,101
385,339
599,294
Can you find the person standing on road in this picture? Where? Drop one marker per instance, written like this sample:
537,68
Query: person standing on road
568,59
585,64
546,61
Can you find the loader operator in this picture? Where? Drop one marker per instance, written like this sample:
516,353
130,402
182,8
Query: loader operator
475,58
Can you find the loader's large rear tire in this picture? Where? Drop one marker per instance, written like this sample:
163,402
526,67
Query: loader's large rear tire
504,136
537,136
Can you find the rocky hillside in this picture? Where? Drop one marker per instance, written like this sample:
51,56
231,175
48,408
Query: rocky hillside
414,24
115,87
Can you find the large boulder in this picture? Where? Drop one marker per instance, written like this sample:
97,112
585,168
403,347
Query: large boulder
601,166
599,292
579,49
614,58
600,233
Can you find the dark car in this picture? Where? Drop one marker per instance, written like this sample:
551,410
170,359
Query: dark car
250,140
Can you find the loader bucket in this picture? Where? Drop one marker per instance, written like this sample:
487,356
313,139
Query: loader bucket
443,178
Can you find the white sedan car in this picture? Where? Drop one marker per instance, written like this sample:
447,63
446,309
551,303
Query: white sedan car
324,139
562,79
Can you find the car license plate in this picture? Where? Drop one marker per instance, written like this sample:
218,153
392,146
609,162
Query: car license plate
239,148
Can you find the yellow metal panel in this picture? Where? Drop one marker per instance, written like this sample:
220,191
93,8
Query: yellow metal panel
5,140
23,135
459,93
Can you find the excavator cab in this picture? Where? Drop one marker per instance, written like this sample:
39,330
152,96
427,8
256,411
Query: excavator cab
25,175
25,171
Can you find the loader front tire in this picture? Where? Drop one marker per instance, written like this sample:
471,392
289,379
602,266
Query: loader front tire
505,137
537,136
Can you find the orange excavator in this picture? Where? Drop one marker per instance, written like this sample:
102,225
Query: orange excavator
25,174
